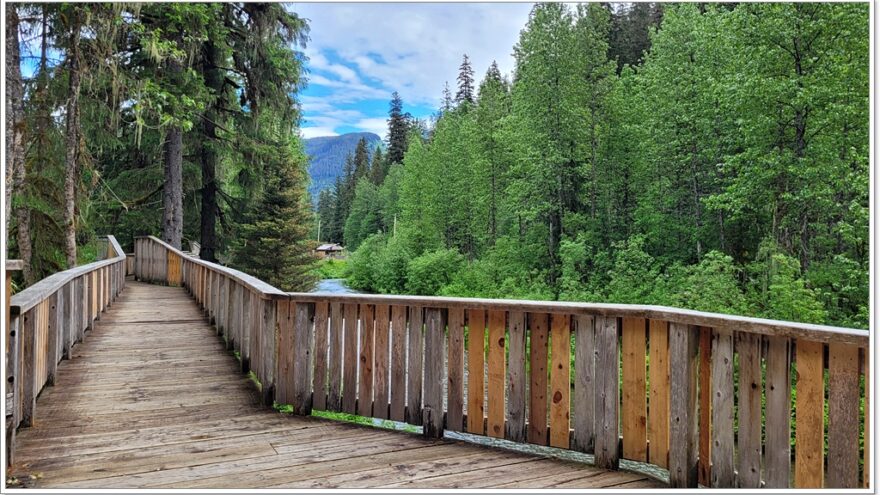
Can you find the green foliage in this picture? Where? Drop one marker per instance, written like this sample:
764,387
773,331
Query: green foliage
331,268
364,271
428,273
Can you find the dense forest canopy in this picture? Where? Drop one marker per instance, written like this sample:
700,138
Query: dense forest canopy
707,156
179,119
713,157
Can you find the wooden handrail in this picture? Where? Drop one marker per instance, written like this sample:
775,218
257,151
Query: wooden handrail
45,321
651,384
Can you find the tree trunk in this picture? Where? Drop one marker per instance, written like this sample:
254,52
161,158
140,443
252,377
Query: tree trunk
172,214
208,155
15,126
72,145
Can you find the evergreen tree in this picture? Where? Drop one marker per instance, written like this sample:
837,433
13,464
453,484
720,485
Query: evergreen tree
272,245
465,93
398,127
378,166
361,160
446,103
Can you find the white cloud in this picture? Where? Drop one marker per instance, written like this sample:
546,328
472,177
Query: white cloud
377,125
310,132
420,45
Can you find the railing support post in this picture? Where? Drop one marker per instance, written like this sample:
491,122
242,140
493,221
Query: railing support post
684,430
435,352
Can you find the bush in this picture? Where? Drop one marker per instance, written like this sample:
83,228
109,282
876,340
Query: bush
331,268
364,264
393,262
428,273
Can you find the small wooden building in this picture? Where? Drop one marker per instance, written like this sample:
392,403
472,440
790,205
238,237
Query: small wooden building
332,251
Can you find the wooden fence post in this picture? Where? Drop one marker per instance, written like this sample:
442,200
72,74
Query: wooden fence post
432,416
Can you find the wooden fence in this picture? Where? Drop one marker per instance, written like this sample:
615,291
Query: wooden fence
683,390
44,321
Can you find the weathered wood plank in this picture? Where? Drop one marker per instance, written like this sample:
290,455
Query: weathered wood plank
608,393
268,331
496,374
303,342
515,429
415,356
398,363
584,405
748,347
381,360
704,476
683,428
539,324
455,371
560,380
334,358
658,412
28,359
866,452
634,407
843,416
809,444
432,413
286,356
722,409
777,389
365,376
55,320
476,365
349,365
319,399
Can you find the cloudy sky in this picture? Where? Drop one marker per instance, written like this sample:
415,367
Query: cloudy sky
360,53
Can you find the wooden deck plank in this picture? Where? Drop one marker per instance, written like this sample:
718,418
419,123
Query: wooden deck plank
150,403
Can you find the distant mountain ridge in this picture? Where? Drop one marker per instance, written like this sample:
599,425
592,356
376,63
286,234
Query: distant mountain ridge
327,157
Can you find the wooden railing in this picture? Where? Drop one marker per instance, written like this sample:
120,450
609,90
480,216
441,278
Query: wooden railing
45,321
683,390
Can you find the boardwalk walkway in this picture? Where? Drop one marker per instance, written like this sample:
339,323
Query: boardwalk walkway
152,399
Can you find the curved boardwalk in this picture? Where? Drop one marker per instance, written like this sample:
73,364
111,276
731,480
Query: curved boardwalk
153,399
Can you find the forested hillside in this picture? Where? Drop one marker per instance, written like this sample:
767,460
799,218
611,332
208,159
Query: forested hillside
327,155
720,164
179,119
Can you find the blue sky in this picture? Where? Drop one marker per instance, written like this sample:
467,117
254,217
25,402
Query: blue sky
359,53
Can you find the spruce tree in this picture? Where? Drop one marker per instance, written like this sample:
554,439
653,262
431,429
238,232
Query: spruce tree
447,99
361,160
378,168
398,126
465,92
273,240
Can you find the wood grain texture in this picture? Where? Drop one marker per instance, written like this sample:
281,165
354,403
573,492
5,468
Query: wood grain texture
322,315
704,476
777,390
455,371
415,358
515,426
607,393
365,375
349,360
658,411
843,418
286,341
303,343
476,364
722,473
497,374
432,412
398,363
634,407
334,359
539,326
381,360
584,404
748,347
683,428
560,380
809,443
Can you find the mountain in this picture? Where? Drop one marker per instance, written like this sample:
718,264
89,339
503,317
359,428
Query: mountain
327,157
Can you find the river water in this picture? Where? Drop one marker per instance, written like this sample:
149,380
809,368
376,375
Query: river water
334,286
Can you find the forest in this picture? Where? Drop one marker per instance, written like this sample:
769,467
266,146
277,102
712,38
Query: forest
706,156
172,119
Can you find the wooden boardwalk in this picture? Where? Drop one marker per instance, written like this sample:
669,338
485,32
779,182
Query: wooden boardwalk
151,399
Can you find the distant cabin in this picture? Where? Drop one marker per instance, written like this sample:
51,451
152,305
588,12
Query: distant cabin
334,251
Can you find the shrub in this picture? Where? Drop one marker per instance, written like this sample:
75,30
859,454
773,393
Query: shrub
428,273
